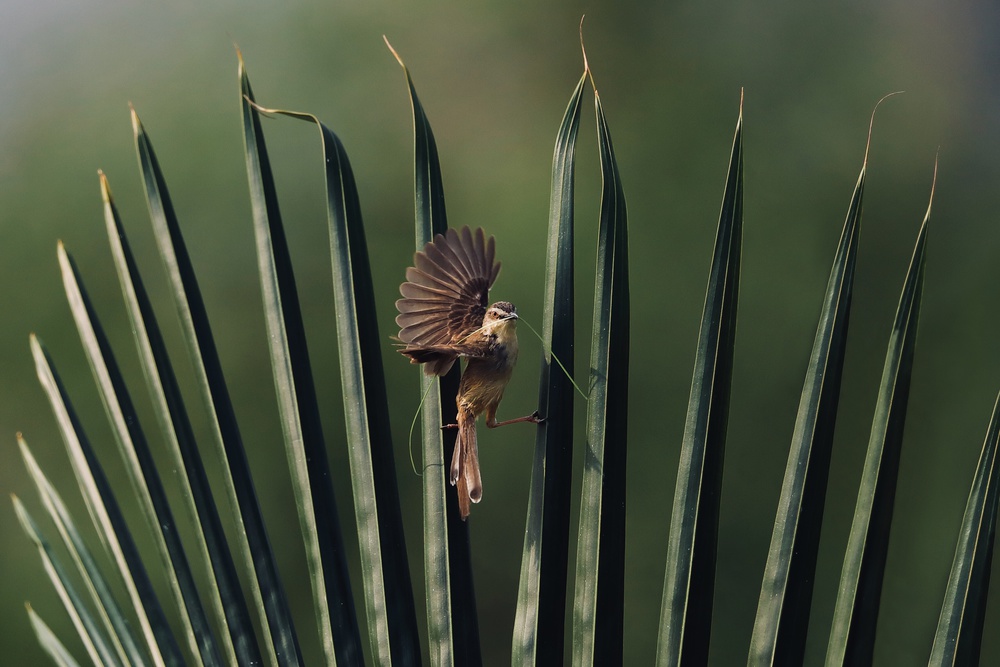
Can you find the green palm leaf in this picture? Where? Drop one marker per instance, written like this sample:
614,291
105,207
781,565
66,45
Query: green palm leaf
600,565
852,637
266,588
49,642
541,597
689,585
223,584
779,630
115,624
959,636
392,623
452,620
298,405
106,515
93,640
140,467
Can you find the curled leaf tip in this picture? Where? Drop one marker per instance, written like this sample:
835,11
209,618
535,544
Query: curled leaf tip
741,101
260,109
933,186
393,51
871,122
583,49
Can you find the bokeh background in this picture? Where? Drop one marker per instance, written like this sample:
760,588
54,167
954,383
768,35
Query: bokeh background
494,78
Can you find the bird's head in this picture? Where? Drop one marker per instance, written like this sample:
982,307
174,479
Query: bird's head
501,317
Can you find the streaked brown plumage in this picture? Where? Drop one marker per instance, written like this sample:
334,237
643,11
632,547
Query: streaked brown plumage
443,316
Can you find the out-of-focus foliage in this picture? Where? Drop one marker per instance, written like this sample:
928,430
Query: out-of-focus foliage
493,79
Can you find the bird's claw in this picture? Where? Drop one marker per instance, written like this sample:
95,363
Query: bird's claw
454,426
535,418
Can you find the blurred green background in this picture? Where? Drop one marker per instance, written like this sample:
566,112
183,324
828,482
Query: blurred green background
494,78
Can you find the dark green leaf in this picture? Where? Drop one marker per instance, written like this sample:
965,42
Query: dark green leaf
959,636
140,467
452,621
689,585
298,405
600,565
541,600
93,640
852,637
266,588
779,630
115,624
392,621
223,584
107,516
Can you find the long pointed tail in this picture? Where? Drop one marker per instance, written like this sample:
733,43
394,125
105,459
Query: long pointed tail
465,464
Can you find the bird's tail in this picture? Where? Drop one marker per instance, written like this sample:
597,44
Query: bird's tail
465,464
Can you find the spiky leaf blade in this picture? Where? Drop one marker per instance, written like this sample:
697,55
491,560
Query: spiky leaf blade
298,404
224,590
959,635
782,618
86,626
392,621
852,636
254,546
115,624
598,618
50,642
106,515
689,583
452,619
140,467
541,598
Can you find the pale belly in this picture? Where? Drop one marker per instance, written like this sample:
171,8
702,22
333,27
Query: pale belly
483,383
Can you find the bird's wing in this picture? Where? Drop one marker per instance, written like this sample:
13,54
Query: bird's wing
445,293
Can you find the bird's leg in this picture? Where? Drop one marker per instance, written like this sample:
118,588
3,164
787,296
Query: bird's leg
491,419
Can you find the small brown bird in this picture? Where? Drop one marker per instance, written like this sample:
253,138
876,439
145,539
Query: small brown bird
443,316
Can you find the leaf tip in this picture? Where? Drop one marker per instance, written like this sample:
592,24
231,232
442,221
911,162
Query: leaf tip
930,201
37,347
871,123
105,186
583,50
395,54
136,123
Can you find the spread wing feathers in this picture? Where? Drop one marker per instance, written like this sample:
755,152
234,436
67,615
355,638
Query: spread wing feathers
445,293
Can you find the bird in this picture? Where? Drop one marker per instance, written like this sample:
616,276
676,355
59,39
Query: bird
443,316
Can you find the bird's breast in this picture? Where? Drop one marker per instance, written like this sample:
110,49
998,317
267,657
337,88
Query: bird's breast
486,377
